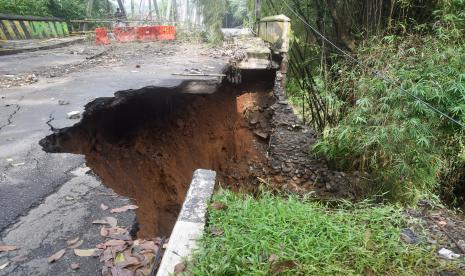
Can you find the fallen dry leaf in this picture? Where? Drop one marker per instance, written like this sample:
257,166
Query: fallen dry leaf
104,232
149,246
103,207
73,241
114,243
75,266
84,252
273,258
124,208
442,223
282,266
6,248
368,271
112,221
99,221
3,266
216,231
179,268
55,257
219,206
76,245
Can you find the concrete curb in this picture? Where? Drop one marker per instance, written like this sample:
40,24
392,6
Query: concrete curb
191,221
45,47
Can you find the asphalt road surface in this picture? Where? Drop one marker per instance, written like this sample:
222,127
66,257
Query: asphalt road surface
47,199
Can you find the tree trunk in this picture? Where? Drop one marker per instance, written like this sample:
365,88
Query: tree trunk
132,8
90,6
121,7
175,11
341,29
168,11
258,9
157,11
188,13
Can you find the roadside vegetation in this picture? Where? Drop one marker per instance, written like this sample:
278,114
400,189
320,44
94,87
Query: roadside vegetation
269,235
387,99
67,9
373,102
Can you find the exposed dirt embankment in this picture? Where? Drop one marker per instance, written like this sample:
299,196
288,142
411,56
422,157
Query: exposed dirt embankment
145,144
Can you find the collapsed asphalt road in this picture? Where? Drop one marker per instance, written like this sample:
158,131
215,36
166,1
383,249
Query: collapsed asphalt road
47,199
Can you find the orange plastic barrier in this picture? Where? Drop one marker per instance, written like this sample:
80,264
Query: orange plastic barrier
147,33
125,34
101,36
144,33
166,32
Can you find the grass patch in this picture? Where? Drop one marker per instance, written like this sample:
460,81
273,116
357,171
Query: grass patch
270,235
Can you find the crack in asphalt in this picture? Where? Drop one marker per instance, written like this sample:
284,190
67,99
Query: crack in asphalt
11,116
49,122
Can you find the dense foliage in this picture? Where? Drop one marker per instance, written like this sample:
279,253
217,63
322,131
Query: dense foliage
372,124
69,9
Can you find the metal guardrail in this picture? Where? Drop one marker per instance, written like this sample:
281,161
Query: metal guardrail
29,18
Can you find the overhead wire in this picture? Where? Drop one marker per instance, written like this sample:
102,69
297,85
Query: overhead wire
374,72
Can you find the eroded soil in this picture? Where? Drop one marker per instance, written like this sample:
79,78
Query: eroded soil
146,144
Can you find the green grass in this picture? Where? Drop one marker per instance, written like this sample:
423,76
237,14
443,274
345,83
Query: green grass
349,240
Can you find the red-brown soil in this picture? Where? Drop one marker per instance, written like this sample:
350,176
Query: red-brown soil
147,144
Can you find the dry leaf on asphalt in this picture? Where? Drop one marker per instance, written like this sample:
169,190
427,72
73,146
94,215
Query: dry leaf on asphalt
3,266
216,232
112,221
55,257
99,221
75,266
104,232
73,241
76,245
219,206
114,243
6,248
103,207
179,268
282,266
124,208
108,220
84,252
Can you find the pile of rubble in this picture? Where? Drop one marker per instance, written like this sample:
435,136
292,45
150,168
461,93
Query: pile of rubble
289,154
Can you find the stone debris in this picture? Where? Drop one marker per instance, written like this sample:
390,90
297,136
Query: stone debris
409,237
290,155
73,115
63,102
448,254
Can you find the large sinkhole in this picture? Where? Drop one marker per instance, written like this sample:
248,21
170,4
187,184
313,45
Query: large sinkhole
145,144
